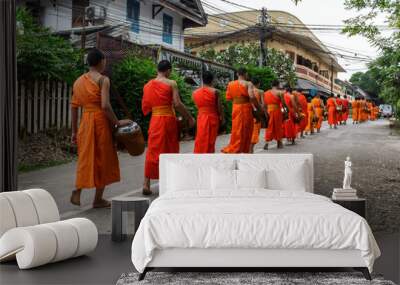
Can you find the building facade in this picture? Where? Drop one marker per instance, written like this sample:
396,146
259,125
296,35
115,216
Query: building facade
143,22
315,65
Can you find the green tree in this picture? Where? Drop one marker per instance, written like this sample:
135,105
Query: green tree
248,55
42,55
368,81
385,70
365,23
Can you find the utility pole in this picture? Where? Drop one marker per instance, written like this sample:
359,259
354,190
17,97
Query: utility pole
263,37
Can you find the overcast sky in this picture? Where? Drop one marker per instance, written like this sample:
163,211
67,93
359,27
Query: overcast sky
327,12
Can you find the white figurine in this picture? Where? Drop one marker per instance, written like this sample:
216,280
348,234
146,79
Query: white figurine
347,174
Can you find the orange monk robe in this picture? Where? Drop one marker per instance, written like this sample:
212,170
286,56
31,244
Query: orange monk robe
98,163
242,118
363,111
330,104
255,138
354,110
289,125
360,111
273,104
319,112
369,113
310,119
303,105
376,112
207,120
345,114
163,128
339,114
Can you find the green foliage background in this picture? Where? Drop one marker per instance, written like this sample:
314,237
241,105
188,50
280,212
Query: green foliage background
248,55
264,75
42,55
383,75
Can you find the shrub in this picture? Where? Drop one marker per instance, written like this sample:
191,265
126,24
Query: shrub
42,55
264,74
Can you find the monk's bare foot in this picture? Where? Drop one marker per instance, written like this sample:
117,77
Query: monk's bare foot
146,191
101,204
76,197
280,145
293,142
266,146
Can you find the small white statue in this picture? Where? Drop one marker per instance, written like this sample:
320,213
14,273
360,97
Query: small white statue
347,174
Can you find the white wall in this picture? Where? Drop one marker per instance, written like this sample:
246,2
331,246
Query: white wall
150,30
57,18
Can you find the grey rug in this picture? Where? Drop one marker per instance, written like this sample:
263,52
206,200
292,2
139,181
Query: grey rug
243,278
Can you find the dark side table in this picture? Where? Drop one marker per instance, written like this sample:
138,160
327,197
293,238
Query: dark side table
119,205
357,205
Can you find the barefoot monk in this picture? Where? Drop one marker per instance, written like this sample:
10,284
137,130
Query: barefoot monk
255,138
97,155
318,105
209,115
273,100
161,99
241,93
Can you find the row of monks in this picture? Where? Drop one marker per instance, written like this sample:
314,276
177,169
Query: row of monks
289,114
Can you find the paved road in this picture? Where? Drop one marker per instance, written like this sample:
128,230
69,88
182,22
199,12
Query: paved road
373,147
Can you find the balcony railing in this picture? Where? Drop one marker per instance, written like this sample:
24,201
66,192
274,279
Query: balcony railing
309,74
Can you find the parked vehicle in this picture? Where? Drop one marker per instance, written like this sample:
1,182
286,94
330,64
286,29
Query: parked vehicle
386,110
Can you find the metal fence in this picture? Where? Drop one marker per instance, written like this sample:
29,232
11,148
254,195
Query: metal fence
43,105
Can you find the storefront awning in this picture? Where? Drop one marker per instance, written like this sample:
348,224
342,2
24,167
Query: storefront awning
311,87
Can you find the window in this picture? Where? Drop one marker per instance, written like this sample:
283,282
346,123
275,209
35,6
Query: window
167,29
133,14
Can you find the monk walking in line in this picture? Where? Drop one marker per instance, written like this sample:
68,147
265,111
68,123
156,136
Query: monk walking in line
346,104
161,99
241,93
290,123
339,110
209,115
98,164
332,111
303,109
310,118
255,138
319,107
273,100
355,105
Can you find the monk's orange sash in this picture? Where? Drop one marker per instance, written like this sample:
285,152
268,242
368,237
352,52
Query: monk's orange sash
241,100
272,107
92,108
208,110
166,110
